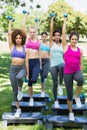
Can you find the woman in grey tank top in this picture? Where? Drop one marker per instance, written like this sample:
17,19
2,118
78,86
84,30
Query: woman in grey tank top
57,62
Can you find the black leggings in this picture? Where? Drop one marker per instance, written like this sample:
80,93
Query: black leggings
68,79
34,70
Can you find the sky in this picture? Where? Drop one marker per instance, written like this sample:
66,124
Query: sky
78,5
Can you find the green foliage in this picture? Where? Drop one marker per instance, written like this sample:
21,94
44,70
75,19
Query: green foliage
73,23
59,7
10,10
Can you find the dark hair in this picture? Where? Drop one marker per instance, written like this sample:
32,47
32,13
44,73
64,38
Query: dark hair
18,32
44,33
57,31
72,34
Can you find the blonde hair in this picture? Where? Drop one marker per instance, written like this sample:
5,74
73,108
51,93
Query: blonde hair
33,27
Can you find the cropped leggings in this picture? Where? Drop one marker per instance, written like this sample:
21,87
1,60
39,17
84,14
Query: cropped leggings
68,79
17,73
57,72
34,70
45,68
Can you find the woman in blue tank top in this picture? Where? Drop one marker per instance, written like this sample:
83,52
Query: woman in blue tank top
17,39
57,62
45,62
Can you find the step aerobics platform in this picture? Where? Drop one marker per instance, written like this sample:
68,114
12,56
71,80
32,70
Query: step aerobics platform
63,99
37,97
63,109
24,118
63,121
38,106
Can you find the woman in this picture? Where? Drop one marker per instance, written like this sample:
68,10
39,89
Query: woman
45,62
72,68
33,62
32,59
17,39
57,62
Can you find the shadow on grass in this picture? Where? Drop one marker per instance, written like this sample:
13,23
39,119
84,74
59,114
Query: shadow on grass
5,88
4,65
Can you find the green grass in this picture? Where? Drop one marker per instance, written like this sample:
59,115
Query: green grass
6,96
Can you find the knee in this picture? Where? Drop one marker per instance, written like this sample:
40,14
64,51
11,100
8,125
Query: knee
18,77
34,81
69,98
80,81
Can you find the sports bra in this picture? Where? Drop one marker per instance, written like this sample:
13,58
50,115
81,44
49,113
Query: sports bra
44,47
18,54
32,45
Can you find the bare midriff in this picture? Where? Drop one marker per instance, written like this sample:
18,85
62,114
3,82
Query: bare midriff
33,53
44,54
17,61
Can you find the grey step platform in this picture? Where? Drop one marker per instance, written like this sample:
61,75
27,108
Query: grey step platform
24,118
37,97
38,106
63,99
63,109
63,121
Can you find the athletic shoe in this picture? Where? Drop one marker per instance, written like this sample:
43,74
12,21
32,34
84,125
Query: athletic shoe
31,102
18,113
60,90
78,102
20,95
42,94
71,116
45,80
56,104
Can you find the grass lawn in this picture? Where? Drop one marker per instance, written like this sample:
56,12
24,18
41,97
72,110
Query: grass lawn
6,96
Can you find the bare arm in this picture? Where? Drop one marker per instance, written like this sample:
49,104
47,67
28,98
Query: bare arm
10,35
51,31
27,68
24,22
40,59
64,44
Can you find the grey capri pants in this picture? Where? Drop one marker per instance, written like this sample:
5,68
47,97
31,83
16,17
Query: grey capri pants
45,68
17,73
68,79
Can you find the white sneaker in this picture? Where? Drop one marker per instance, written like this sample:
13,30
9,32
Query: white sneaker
42,94
60,90
45,80
17,113
78,102
20,95
56,104
31,102
71,116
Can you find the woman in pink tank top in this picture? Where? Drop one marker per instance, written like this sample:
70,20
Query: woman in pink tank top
72,68
32,60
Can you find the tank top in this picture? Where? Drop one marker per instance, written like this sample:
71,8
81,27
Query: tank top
44,47
56,53
15,53
32,45
72,60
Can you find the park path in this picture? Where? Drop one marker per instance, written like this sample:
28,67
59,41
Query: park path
4,48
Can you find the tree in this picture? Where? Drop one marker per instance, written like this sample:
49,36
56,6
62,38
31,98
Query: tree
10,10
74,23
